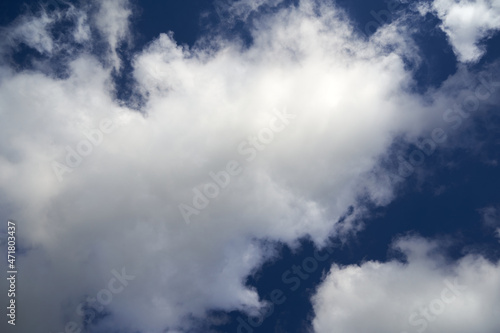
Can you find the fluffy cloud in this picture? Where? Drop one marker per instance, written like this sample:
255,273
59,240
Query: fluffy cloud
424,294
467,23
97,186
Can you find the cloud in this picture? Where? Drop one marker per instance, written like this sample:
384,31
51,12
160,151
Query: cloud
85,24
112,21
96,186
467,24
231,11
31,30
425,294
491,218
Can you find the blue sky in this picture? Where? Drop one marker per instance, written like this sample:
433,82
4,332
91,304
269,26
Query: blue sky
253,165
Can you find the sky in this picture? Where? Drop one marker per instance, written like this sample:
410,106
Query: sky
281,166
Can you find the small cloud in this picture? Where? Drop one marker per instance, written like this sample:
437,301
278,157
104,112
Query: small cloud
467,24
490,216
439,190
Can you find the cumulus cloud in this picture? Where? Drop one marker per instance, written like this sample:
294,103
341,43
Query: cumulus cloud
305,112
467,23
424,294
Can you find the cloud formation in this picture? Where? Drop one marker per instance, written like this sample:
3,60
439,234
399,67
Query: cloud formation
467,24
96,186
427,293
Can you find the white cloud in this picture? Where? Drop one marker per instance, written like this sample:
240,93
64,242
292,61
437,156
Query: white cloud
467,23
426,294
34,29
31,30
112,20
119,207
